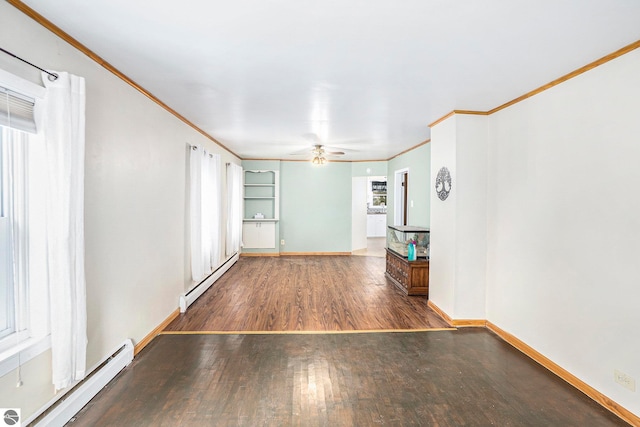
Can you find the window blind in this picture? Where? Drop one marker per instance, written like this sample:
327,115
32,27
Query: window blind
16,111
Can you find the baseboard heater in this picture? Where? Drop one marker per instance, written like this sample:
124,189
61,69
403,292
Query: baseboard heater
189,298
62,408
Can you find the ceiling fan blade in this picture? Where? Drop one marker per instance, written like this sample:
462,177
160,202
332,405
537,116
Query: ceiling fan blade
312,137
335,153
304,152
339,149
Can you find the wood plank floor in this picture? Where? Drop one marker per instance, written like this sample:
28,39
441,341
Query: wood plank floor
466,377
441,377
306,293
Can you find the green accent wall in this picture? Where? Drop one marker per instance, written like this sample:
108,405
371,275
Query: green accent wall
273,165
315,207
418,161
369,168
315,201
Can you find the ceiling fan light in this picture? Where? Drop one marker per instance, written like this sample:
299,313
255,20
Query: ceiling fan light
319,160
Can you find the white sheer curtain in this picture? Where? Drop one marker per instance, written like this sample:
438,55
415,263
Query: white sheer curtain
234,206
205,202
63,121
216,211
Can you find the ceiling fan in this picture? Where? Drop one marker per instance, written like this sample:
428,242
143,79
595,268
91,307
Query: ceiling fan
319,154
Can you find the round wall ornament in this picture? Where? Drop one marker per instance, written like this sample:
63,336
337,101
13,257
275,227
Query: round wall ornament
443,183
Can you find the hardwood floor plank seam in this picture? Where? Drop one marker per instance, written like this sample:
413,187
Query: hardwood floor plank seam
364,331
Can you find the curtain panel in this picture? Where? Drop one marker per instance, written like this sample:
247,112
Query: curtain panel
63,127
205,212
234,206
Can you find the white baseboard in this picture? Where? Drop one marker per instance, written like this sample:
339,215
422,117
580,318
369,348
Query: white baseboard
70,402
189,298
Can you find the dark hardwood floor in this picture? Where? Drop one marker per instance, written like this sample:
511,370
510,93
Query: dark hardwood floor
306,293
430,376
466,377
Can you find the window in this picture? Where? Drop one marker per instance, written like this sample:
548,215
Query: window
43,186
23,290
14,232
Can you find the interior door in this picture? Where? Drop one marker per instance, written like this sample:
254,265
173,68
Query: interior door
405,192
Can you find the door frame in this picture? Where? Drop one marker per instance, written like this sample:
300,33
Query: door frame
400,196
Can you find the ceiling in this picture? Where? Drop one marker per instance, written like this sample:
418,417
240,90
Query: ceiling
267,78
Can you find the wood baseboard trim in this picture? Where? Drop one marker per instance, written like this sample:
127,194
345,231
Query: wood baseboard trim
440,313
146,340
357,331
457,323
594,394
315,253
260,254
469,323
527,350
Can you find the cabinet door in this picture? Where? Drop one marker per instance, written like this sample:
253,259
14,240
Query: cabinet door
371,225
259,235
380,226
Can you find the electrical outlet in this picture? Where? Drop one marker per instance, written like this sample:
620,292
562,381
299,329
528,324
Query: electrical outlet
282,242
624,380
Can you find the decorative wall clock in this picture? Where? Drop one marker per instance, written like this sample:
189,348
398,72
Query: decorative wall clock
443,183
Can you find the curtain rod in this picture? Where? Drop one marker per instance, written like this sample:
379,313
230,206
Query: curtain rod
52,76
195,147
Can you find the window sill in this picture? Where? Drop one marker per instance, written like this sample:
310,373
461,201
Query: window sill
23,352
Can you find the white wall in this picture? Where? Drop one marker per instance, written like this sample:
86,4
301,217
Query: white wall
540,232
442,266
564,224
471,216
135,203
457,276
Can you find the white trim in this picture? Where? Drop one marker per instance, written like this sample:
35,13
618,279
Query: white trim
17,84
27,348
12,358
86,389
189,298
397,201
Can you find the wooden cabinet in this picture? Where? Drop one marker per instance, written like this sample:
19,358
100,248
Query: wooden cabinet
261,209
412,277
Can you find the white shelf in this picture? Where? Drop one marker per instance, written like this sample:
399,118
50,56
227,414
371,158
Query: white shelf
261,195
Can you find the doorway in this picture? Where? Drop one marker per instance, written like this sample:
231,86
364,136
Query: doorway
369,216
401,193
